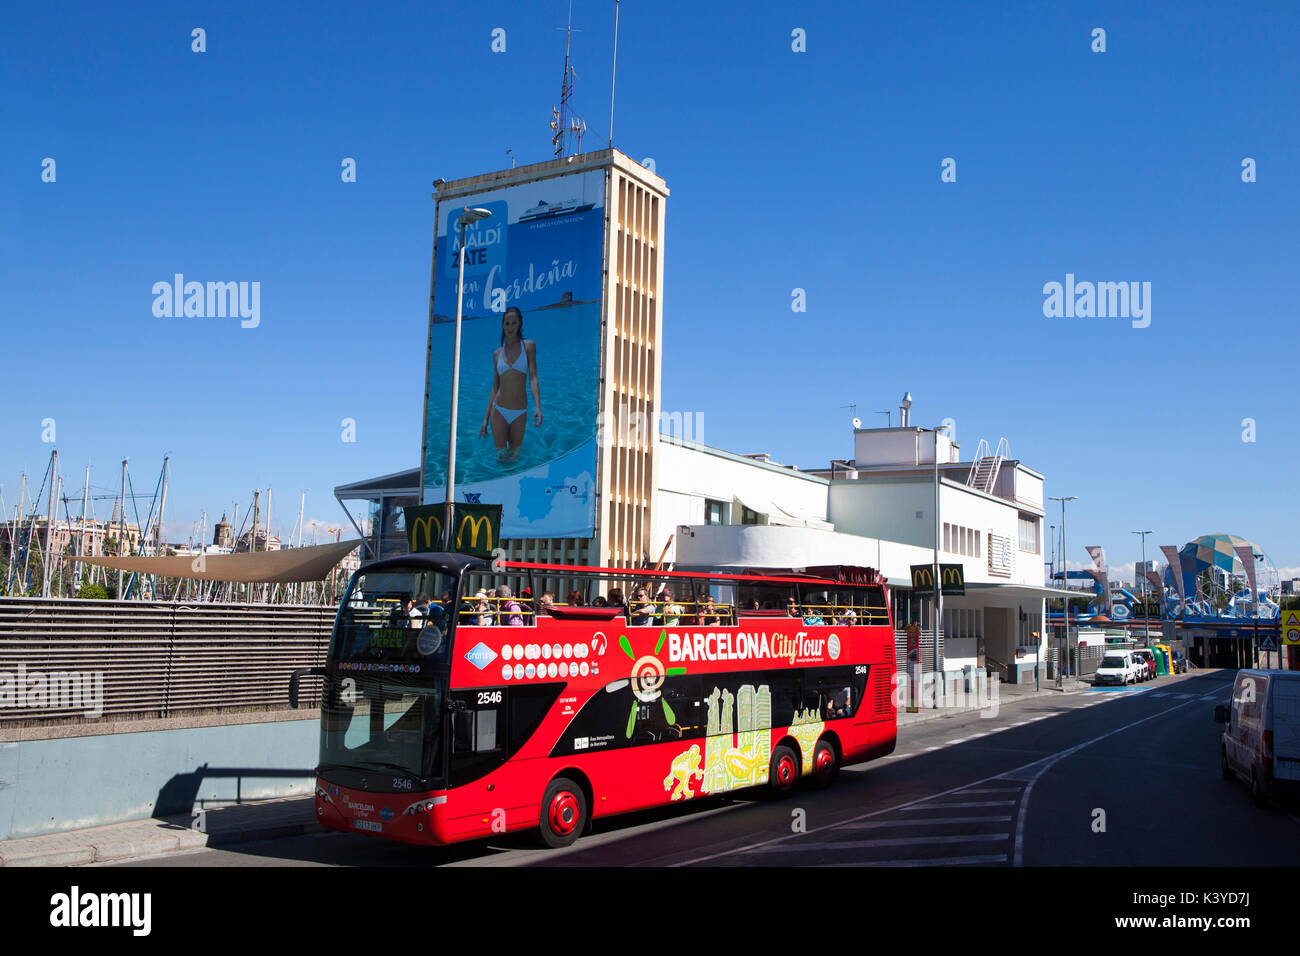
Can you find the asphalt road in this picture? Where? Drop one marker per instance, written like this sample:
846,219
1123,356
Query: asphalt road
1117,777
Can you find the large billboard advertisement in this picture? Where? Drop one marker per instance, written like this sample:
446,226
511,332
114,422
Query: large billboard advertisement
530,354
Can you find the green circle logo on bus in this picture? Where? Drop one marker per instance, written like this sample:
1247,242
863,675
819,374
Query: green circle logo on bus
646,679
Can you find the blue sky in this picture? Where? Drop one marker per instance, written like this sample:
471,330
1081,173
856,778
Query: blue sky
817,170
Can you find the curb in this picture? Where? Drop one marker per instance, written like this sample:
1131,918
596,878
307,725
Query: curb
276,832
116,850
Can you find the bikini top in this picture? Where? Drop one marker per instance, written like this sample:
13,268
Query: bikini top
518,365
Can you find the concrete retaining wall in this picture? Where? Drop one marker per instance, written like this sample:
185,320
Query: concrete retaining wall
51,782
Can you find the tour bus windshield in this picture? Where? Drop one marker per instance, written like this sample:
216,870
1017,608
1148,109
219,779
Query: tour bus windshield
379,712
394,620
382,723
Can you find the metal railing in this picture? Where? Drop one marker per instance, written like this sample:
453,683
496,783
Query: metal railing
140,660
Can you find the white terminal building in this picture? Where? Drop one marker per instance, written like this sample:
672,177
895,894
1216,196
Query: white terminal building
703,507
878,510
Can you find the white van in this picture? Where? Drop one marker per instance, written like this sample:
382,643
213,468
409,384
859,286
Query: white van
1261,743
1118,667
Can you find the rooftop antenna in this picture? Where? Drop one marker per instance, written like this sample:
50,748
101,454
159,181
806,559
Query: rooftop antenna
613,71
510,153
888,413
564,124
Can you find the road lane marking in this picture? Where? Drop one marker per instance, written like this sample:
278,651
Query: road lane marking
973,803
873,824
925,861
1002,777
1049,762
894,841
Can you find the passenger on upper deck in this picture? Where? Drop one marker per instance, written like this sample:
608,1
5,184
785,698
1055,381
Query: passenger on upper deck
512,614
671,612
642,611
708,611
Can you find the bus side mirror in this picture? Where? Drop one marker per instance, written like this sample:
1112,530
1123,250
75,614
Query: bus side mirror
1220,714
297,676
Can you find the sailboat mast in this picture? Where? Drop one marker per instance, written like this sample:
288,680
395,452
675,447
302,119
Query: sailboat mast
48,569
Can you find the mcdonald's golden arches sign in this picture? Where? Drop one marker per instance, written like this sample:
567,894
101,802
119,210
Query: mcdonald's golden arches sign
476,529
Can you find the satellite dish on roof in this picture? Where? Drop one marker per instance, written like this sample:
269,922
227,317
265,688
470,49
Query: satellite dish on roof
857,423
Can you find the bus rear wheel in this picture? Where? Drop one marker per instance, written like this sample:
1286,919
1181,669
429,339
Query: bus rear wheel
784,771
824,764
564,813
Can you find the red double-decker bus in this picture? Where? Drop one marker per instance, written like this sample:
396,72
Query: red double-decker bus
459,701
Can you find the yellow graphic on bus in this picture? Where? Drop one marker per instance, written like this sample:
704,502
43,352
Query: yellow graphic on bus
684,766
806,728
737,750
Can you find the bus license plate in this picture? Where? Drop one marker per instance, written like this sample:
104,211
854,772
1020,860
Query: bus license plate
368,825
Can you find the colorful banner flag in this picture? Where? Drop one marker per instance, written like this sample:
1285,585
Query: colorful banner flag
1099,572
1176,568
1246,555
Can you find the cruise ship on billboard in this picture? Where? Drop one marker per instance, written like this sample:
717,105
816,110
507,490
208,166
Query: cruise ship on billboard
545,210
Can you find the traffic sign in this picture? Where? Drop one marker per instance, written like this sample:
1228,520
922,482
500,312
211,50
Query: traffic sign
1291,627
1268,643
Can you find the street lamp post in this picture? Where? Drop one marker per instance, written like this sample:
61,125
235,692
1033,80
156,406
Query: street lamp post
1254,603
1065,579
1146,618
468,216
937,600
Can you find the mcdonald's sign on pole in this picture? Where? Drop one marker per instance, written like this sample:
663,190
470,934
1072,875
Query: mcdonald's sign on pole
952,578
476,529
922,577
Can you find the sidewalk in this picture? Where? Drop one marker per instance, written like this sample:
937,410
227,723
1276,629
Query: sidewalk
236,823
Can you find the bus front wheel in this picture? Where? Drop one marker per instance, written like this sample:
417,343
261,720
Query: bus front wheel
784,771
564,813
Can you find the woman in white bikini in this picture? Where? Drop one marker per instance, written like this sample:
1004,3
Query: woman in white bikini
514,371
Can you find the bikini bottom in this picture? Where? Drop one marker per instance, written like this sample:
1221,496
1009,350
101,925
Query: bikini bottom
509,414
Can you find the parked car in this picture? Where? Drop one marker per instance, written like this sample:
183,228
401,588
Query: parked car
1148,662
1118,667
1261,742
1180,663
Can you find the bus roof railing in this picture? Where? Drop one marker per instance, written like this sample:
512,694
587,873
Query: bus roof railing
784,577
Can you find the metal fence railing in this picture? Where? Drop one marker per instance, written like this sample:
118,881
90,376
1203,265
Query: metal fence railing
97,660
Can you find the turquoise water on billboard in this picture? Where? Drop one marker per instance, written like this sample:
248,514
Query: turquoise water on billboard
566,339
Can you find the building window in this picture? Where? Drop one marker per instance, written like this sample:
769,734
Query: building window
947,536
1029,533
978,552
713,513
747,516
